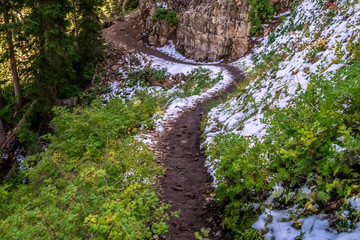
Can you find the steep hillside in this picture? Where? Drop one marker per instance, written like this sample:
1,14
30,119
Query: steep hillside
284,148
280,148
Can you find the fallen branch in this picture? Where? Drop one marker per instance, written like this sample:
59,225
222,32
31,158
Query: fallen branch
95,74
11,134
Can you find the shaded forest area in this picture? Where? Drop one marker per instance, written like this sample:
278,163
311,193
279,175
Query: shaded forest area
50,51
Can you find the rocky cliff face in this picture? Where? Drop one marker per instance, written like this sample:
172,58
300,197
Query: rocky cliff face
208,30
158,31
214,29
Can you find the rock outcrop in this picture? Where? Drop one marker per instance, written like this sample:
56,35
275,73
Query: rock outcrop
208,30
214,29
158,31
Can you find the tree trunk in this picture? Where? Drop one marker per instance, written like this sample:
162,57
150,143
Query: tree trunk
14,72
2,132
74,4
123,6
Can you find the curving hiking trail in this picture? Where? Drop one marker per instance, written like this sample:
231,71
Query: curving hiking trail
186,183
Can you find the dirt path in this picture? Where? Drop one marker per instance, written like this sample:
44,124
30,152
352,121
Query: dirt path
186,183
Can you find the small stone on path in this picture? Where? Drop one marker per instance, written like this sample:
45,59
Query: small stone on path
115,67
177,188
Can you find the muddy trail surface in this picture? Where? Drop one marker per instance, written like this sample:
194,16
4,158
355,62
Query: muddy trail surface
186,185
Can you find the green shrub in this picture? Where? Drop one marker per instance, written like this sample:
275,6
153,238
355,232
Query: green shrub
315,140
93,181
171,18
162,13
146,77
260,11
241,171
303,138
354,47
198,80
26,136
330,15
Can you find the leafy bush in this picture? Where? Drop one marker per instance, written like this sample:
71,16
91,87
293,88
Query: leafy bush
26,136
93,181
315,141
330,15
260,11
147,77
172,18
317,138
241,171
162,13
198,80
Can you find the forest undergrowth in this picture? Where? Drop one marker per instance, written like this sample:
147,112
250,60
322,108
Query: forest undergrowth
96,179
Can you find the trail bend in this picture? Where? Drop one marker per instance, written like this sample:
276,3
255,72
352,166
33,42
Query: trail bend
186,183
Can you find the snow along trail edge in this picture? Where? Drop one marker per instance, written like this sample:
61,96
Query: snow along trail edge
187,184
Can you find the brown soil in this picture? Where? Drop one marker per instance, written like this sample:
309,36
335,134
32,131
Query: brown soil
186,184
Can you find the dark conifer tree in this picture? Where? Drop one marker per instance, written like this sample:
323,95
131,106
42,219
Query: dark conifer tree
51,64
89,40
